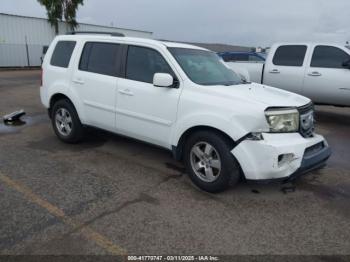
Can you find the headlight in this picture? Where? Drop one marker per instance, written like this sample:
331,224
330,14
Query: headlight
283,120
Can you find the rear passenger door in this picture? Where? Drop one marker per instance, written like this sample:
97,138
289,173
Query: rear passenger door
286,69
144,111
326,80
95,81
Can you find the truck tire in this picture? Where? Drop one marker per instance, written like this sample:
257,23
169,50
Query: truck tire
66,122
209,162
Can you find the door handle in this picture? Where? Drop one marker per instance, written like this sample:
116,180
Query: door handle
315,74
275,71
126,92
78,81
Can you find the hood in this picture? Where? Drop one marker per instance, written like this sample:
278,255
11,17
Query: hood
265,95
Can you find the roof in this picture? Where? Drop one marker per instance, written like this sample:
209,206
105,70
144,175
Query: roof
311,43
139,40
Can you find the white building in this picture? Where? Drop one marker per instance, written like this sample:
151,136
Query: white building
22,38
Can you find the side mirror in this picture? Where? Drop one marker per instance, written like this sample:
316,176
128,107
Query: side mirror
163,80
346,64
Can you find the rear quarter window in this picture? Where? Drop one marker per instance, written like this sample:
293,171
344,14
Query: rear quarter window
290,55
62,53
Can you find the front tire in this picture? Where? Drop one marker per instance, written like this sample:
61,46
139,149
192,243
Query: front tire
209,162
66,122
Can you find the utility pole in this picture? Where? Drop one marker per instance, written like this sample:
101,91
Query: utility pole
27,51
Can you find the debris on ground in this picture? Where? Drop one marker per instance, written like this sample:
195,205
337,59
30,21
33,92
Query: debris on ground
14,117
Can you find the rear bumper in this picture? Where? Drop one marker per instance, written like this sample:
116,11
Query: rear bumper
43,97
281,156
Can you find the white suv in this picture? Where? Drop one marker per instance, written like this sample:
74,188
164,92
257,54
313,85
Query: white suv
182,98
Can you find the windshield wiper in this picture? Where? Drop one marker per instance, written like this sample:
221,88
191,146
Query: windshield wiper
231,83
244,82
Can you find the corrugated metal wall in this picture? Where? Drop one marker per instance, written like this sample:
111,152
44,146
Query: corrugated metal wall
19,34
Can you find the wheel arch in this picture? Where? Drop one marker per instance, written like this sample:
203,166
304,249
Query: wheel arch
178,149
58,96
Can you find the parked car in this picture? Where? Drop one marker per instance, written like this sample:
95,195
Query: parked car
185,99
317,71
242,57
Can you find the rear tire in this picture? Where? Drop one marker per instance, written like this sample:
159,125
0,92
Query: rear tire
209,162
66,122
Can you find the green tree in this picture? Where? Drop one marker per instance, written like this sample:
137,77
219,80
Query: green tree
59,9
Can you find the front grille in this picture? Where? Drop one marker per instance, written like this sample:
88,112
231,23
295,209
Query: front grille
306,108
306,122
314,149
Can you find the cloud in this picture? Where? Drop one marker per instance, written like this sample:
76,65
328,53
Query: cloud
245,22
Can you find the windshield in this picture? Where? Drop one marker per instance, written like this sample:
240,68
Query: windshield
204,67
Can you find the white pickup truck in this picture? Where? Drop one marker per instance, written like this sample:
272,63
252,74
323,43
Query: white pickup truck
320,72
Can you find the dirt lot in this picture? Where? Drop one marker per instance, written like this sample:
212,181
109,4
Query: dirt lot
113,195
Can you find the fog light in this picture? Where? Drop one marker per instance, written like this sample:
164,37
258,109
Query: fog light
285,158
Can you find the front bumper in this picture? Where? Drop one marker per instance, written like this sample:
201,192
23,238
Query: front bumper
281,156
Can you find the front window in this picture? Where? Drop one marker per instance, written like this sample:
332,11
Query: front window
290,55
143,62
204,67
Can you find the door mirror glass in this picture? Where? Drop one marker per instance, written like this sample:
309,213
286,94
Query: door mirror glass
163,80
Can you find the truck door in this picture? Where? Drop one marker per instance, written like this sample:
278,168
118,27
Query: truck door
326,79
285,69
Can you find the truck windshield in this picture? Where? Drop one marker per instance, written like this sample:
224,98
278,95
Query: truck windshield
204,67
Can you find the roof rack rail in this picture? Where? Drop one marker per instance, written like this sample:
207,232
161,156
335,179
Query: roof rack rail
95,33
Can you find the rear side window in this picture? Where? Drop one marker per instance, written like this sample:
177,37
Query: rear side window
100,58
329,57
290,55
142,63
62,53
